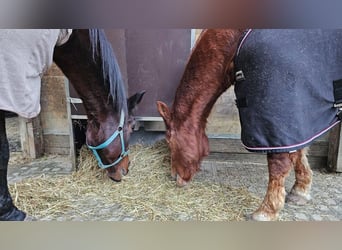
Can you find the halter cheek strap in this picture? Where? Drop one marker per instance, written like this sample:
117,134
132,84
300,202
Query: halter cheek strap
118,132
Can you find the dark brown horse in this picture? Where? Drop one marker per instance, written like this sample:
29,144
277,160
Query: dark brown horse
88,61
211,69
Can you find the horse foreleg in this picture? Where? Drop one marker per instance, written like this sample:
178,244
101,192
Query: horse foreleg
8,212
279,166
300,192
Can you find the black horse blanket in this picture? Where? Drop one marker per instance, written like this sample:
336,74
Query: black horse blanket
285,82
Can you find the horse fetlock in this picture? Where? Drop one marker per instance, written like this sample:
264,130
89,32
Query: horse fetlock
269,208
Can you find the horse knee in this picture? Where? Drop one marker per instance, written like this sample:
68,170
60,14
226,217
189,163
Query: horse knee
279,165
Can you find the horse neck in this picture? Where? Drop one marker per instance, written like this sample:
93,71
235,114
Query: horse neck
95,98
207,75
96,101
86,77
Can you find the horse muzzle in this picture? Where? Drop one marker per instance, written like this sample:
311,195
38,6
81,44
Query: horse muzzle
180,182
118,173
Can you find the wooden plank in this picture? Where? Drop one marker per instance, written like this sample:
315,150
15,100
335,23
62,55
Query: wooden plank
72,149
150,125
58,151
230,144
316,162
57,144
60,141
226,144
233,157
54,104
31,137
319,148
38,136
229,148
56,115
334,162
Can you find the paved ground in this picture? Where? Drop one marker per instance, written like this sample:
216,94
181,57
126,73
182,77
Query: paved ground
20,168
253,175
326,203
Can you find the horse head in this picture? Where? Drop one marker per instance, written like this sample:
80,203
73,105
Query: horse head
206,76
110,132
88,61
188,144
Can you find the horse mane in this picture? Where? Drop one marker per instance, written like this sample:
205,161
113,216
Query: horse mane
102,50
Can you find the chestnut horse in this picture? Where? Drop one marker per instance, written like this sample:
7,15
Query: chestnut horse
87,59
211,69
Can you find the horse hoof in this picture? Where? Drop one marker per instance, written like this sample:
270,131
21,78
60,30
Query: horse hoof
260,217
297,199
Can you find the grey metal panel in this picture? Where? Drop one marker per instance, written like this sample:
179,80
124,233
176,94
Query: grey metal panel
155,62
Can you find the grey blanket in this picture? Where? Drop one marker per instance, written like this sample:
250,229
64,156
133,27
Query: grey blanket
24,56
286,95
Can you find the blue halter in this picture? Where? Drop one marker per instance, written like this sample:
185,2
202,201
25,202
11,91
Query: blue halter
124,152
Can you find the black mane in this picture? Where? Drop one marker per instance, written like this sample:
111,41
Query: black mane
102,50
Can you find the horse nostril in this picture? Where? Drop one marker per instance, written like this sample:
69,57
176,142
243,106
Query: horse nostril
124,171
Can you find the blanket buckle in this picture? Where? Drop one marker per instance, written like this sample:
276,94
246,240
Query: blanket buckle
239,76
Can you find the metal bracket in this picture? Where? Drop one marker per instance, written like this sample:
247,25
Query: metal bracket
239,76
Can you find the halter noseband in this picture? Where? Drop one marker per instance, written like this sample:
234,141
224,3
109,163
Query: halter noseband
117,132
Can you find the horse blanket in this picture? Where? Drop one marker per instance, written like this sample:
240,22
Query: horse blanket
24,56
284,87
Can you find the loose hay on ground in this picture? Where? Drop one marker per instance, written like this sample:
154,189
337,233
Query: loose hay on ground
146,193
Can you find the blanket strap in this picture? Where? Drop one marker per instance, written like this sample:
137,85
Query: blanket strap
338,97
338,93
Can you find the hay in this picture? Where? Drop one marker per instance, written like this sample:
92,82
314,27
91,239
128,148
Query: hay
146,193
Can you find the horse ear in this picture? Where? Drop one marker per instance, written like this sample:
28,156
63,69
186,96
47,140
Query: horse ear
134,100
164,112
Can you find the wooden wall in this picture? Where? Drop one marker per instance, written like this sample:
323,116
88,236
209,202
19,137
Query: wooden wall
55,113
50,132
